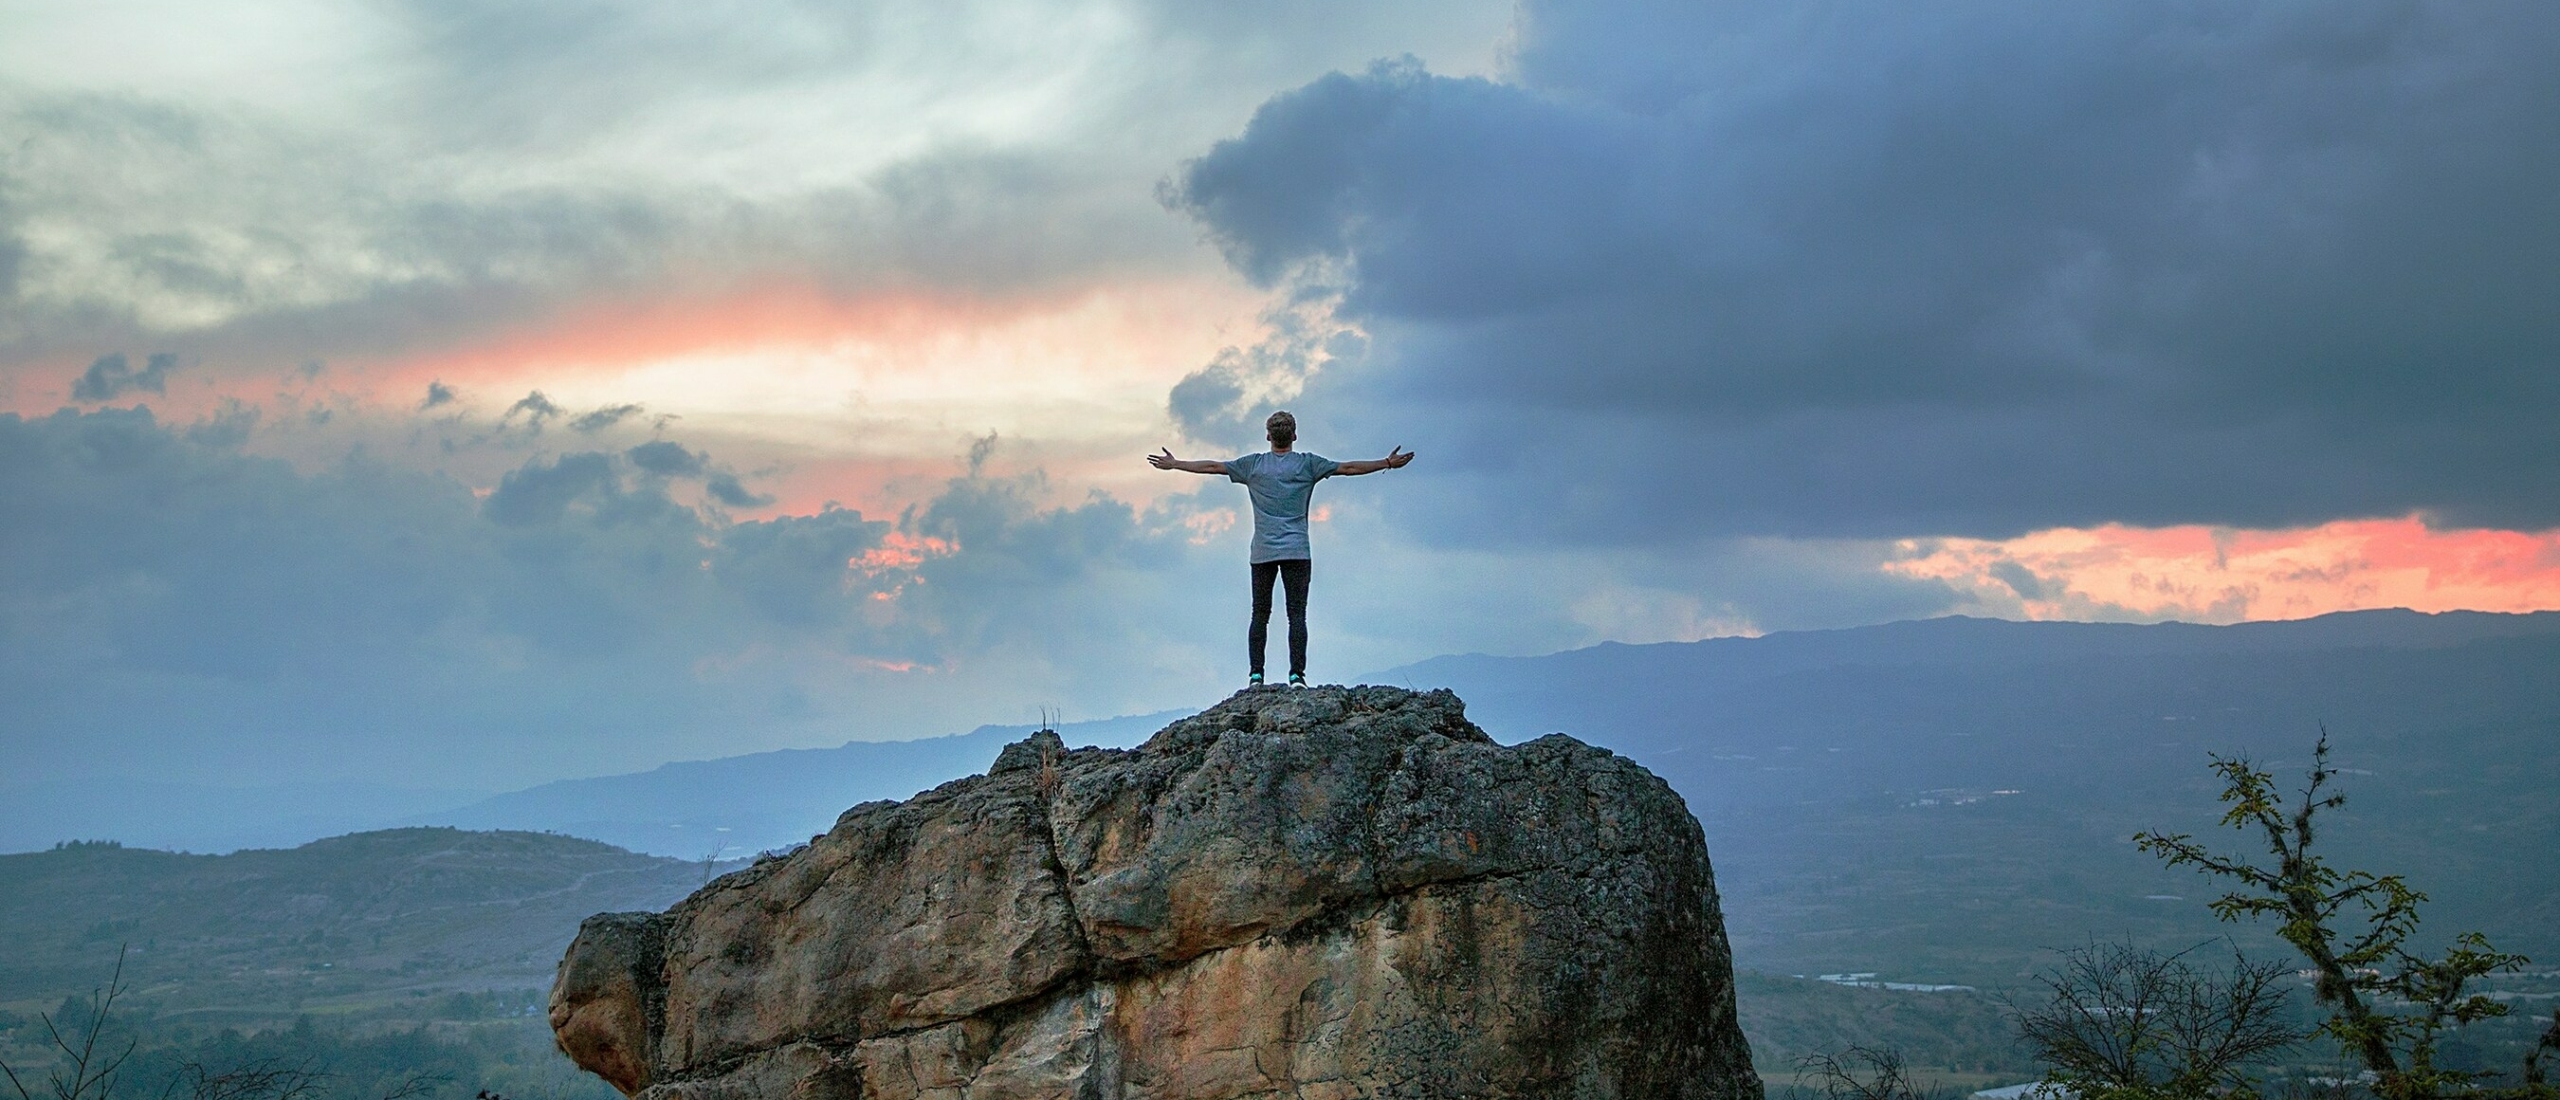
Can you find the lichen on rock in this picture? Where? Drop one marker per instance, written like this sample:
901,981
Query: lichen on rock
1320,893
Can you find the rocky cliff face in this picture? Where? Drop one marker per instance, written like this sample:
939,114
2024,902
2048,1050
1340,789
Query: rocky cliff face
1322,893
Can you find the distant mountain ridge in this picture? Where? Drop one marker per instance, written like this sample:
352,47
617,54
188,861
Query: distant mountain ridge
2265,684
736,805
744,804
1942,797
1962,639
740,805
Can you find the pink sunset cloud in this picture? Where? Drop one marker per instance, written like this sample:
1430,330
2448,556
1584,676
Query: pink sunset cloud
2215,574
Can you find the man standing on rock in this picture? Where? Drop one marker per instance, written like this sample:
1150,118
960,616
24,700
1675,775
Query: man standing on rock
1281,481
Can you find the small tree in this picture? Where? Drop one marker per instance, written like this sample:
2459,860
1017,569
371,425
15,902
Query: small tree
2125,1022
2354,926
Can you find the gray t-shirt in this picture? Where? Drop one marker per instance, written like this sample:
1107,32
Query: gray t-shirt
1280,483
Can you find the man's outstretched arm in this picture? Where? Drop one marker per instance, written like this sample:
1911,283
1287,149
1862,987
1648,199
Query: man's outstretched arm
1166,461
1395,460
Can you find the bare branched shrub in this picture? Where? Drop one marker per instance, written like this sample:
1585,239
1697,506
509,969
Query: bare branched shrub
262,1080
90,1067
1860,1073
272,1079
87,1069
2127,1021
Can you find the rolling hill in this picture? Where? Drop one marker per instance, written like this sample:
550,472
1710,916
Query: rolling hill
345,925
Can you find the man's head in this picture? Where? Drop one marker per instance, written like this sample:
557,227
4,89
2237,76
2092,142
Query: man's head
1281,429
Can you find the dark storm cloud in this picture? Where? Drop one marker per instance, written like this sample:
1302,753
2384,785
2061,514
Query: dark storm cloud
113,376
437,394
1883,270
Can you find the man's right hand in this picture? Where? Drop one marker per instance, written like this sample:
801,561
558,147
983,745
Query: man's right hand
1166,461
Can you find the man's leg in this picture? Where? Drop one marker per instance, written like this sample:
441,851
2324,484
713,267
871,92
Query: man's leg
1293,576
1256,636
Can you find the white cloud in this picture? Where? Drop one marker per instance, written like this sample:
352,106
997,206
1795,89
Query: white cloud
348,168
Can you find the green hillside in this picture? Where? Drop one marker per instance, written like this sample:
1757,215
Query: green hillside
352,926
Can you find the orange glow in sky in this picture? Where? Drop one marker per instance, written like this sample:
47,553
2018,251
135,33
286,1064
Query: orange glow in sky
787,355
867,401
2221,575
870,400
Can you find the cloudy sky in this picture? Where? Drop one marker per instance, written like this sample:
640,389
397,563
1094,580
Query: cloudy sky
471,393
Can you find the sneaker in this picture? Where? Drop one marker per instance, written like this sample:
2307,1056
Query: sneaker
1297,679
1253,681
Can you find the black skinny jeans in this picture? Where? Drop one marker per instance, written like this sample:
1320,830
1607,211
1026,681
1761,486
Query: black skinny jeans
1293,576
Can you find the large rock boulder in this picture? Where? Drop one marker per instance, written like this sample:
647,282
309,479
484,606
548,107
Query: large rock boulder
1322,893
